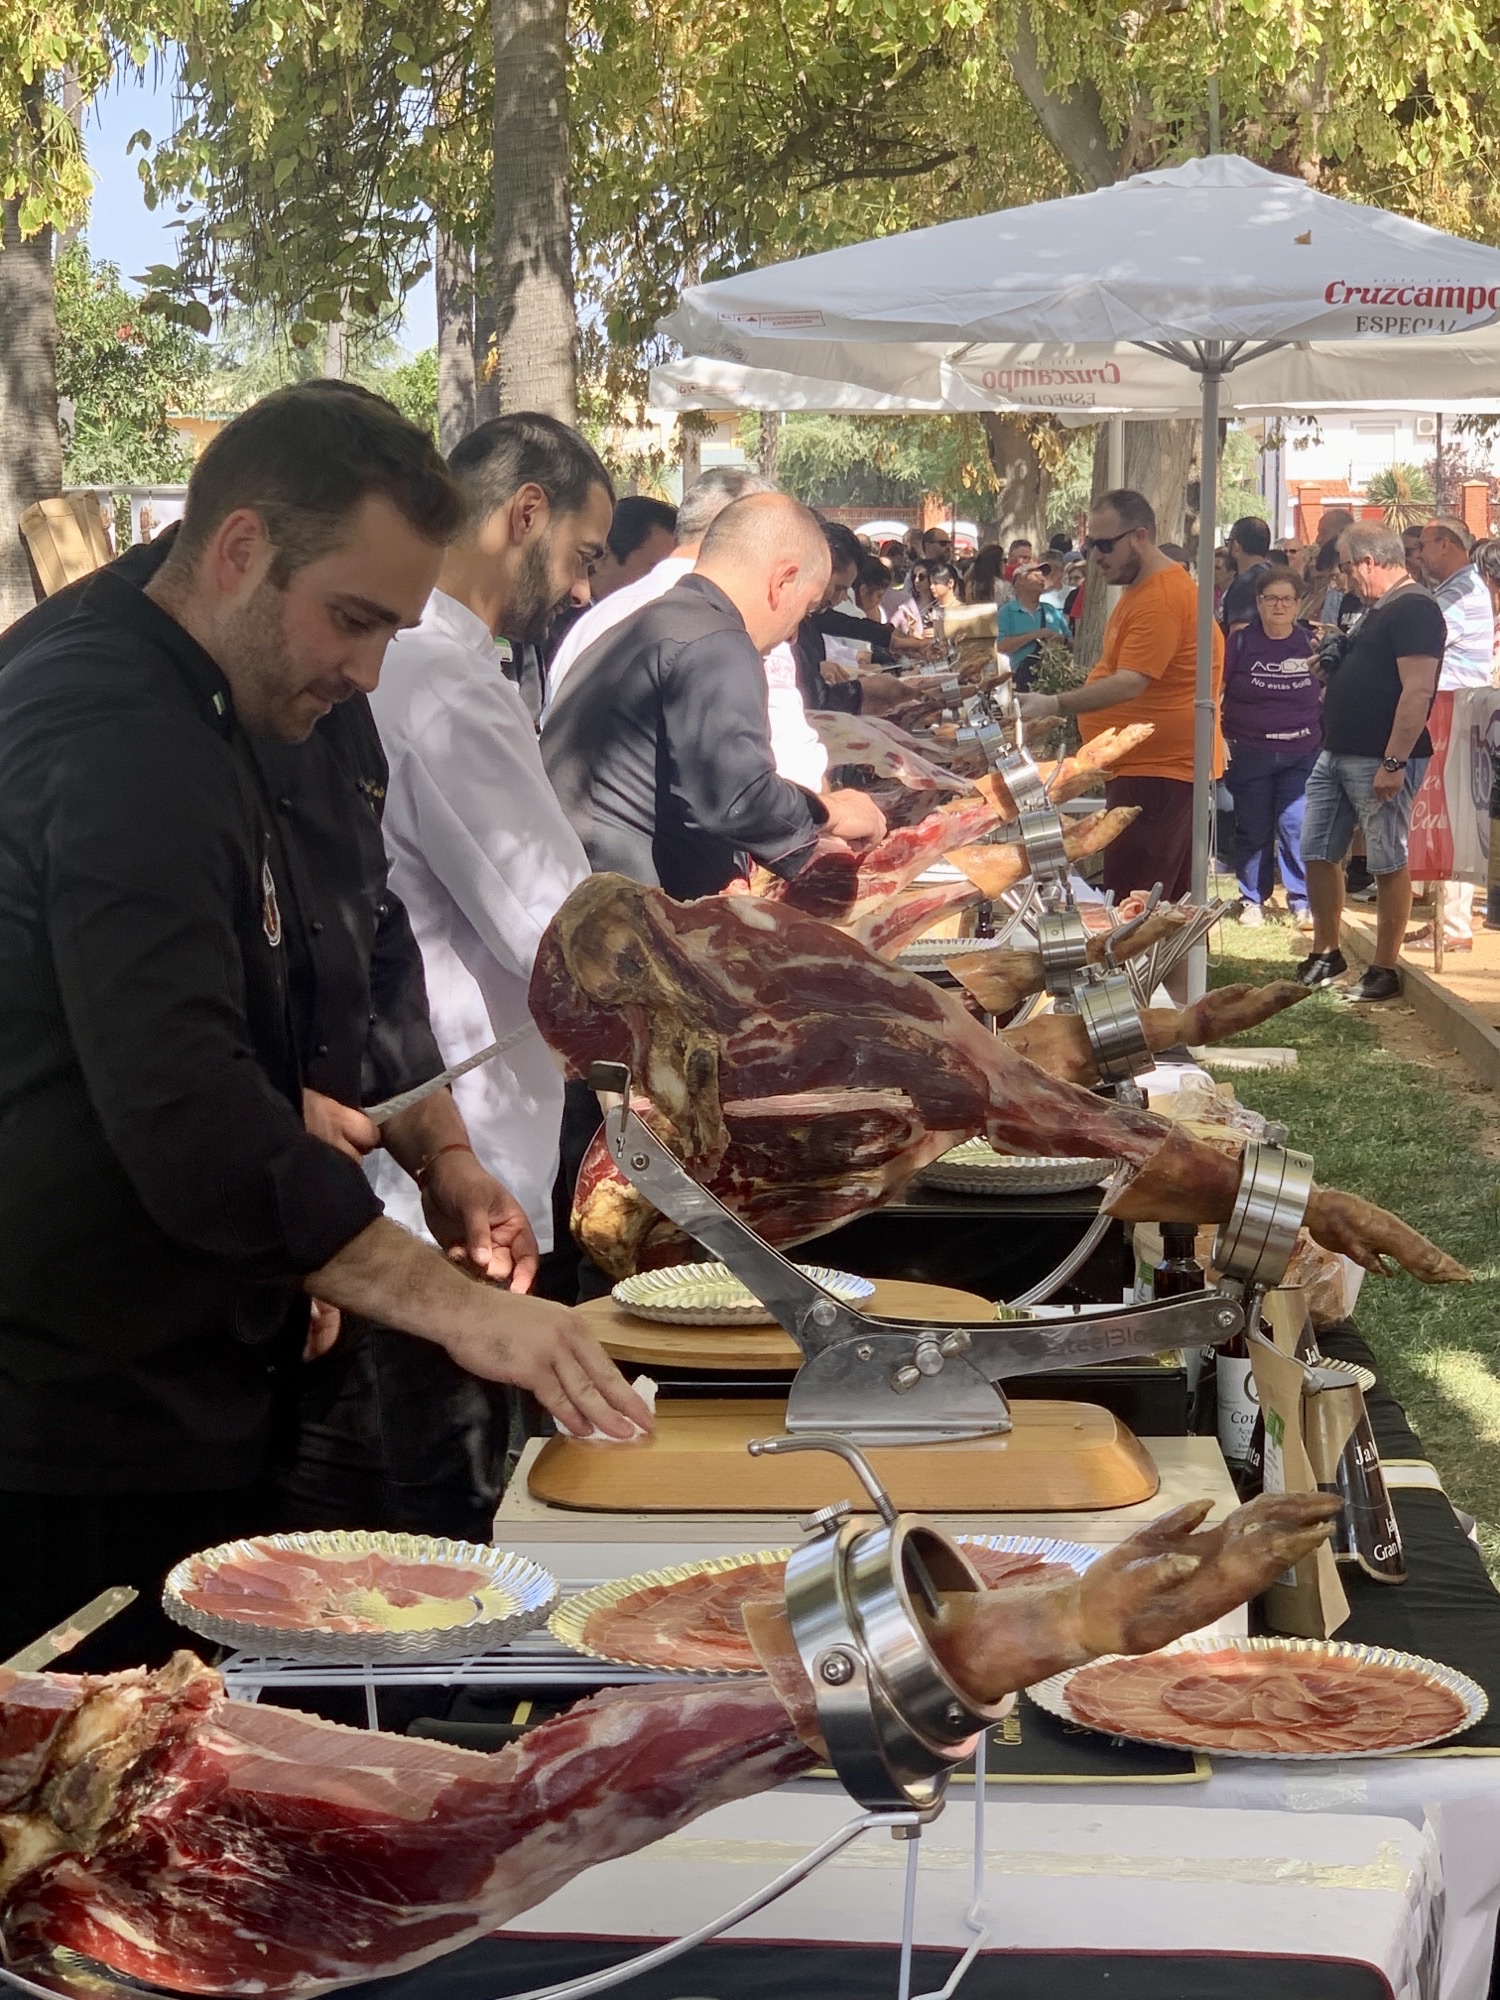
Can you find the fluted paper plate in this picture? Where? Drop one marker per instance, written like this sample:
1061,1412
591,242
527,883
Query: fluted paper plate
515,1598
1052,1695
569,1621
711,1295
976,1168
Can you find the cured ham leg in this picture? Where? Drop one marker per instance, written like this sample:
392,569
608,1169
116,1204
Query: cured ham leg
748,1025
993,870
1072,775
1059,1043
1001,980
1165,1580
209,1846
882,748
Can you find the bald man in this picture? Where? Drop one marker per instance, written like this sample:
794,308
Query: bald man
658,745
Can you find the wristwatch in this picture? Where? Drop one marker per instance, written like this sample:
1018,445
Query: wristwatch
1393,763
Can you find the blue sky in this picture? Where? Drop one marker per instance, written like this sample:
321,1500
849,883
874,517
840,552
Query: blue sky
124,230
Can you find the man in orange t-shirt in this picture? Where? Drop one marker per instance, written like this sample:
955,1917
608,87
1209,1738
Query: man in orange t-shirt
1147,672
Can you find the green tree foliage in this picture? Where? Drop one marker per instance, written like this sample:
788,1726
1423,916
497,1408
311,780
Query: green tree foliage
122,370
1403,493
886,461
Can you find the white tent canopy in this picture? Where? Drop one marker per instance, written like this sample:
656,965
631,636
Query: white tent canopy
1210,270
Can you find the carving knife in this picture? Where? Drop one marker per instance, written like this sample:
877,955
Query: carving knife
379,1113
63,1638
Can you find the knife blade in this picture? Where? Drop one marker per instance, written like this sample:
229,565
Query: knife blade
404,1100
72,1631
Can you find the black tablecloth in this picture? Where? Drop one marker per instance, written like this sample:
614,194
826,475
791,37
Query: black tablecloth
499,1966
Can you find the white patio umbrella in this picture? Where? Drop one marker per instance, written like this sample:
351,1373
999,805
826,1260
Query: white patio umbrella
1214,268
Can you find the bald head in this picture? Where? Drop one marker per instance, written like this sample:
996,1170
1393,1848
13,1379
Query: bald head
769,556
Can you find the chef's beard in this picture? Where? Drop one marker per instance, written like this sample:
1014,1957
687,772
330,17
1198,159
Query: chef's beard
535,602
272,692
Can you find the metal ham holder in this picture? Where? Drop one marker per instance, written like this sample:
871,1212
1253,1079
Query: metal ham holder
897,1381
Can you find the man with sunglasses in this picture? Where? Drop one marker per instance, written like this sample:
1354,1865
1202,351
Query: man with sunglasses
1147,672
1375,750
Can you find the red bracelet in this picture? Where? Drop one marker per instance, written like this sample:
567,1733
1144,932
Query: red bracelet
424,1172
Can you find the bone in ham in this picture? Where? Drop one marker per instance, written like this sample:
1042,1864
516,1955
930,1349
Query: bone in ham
895,922
209,1846
852,889
882,748
804,1080
1000,980
1059,1043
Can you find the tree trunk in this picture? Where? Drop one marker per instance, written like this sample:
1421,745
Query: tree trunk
533,241
30,449
336,349
1021,506
1158,458
1073,120
486,339
769,452
692,454
455,341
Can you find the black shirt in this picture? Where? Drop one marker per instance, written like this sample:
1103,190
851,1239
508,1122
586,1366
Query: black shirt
659,749
1365,686
357,966
1238,607
160,1199
846,697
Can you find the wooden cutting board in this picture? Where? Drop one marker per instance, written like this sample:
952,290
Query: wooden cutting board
655,1345
1059,1458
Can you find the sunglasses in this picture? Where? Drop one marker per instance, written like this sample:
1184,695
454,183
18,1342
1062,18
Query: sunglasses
1104,543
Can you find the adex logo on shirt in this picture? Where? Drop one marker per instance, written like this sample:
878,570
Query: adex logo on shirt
270,908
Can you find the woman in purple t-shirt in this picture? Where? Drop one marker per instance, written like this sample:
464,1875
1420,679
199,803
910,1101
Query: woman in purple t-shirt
1270,717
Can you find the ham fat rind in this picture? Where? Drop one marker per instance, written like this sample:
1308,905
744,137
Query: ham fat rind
805,1080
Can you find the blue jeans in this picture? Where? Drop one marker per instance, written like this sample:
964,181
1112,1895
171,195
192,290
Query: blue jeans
1340,797
1268,786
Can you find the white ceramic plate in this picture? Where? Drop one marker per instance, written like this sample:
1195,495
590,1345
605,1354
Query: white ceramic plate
1052,1695
976,1168
514,1597
711,1295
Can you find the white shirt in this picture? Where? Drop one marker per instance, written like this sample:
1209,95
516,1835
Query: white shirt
482,857
800,756
1469,656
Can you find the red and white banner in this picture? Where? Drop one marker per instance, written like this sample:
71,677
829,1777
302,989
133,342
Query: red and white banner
1450,821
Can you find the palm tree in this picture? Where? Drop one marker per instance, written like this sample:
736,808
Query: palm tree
1403,493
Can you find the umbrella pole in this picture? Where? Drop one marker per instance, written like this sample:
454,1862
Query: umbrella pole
1203,699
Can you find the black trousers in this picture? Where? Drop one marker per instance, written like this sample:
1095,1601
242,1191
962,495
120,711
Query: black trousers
57,1550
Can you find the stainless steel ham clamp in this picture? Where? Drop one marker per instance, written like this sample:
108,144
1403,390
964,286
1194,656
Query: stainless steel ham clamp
892,1381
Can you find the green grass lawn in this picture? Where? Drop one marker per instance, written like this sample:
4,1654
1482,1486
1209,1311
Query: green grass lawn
1396,1132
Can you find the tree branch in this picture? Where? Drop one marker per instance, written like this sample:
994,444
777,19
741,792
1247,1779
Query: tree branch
1072,119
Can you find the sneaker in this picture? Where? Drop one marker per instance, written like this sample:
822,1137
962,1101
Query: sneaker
1302,921
1376,982
1357,876
1252,916
1364,894
1321,968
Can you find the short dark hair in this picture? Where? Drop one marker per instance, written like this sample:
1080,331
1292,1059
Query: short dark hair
635,516
843,545
1279,559
942,572
305,459
1252,534
1134,509
1020,542
525,448
873,574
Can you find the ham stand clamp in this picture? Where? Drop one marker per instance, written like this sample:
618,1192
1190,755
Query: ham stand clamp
895,1724
893,1381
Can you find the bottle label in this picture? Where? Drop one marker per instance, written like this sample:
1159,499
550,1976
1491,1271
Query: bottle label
1238,1407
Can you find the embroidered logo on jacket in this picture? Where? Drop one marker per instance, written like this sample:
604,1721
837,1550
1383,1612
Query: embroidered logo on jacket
270,909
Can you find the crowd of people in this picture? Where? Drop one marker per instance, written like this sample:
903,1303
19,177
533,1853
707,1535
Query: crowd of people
288,797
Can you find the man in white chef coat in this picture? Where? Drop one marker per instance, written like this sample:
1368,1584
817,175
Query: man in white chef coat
482,855
795,744
480,850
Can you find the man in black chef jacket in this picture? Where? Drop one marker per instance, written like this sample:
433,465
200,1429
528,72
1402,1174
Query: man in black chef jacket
658,745
164,1213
